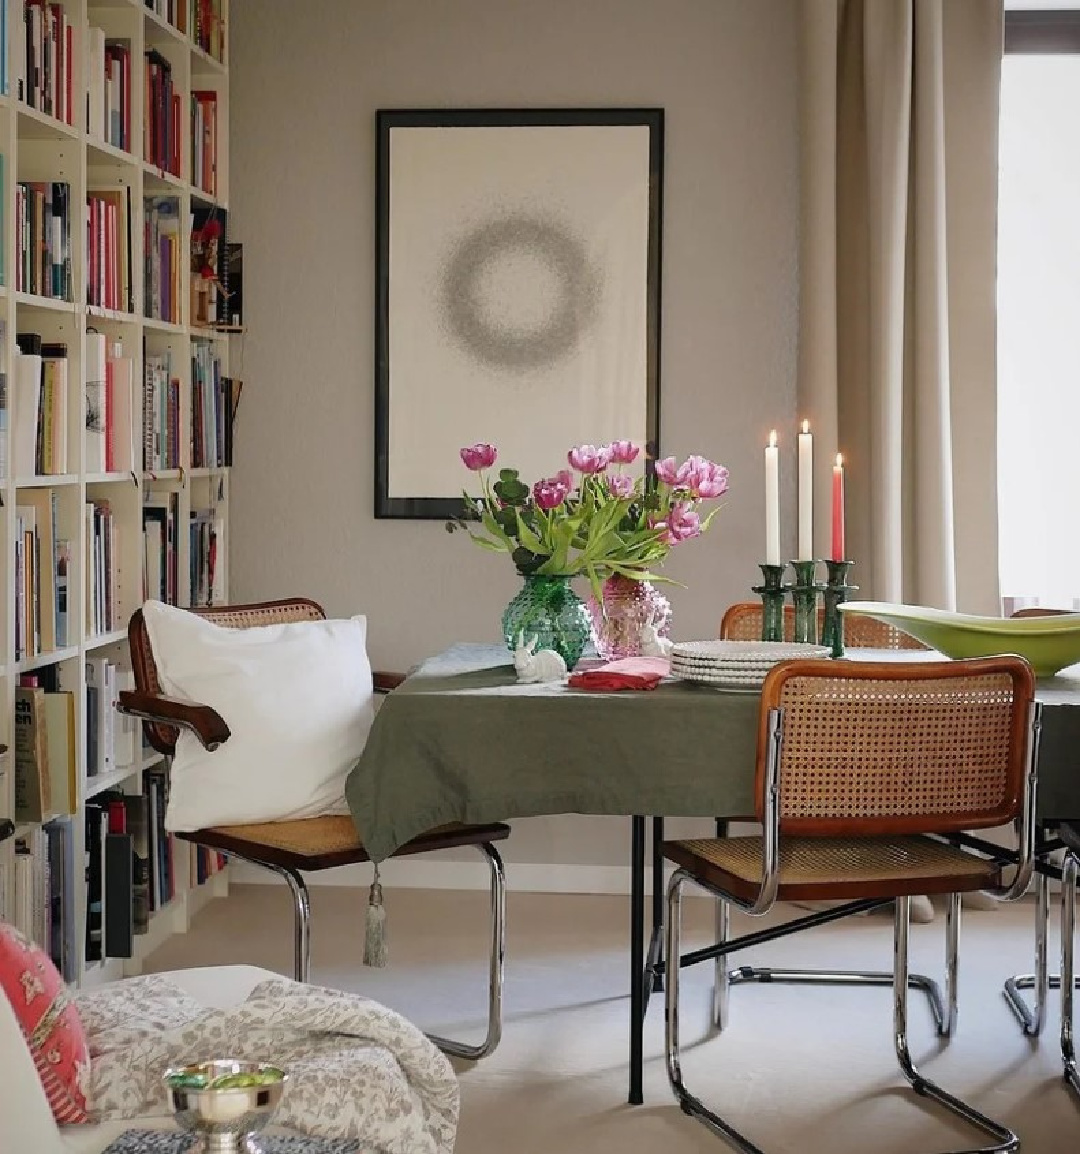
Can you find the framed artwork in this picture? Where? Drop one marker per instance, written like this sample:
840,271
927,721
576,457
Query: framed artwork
517,293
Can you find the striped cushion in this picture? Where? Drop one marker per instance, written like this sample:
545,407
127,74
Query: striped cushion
49,1021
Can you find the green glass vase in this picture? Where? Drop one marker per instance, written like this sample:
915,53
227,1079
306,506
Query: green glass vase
549,610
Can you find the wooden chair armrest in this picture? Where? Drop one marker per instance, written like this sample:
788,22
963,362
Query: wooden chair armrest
385,682
207,724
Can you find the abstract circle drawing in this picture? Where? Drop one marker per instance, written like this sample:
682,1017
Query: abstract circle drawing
518,292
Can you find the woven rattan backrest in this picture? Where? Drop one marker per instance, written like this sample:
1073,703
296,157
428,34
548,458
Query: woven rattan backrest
897,747
742,622
163,737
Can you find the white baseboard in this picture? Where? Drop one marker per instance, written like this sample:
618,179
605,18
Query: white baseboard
415,873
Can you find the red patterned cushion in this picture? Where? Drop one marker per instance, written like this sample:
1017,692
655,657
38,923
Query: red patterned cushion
49,1021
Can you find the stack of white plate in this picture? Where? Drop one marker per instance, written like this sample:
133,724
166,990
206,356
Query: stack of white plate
735,664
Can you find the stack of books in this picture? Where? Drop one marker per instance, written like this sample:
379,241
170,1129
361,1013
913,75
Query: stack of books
43,229
45,60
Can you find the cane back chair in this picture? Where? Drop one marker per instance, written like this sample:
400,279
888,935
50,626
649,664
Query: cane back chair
862,771
1050,841
291,848
742,622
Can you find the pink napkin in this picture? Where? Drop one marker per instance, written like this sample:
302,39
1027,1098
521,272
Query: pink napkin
626,673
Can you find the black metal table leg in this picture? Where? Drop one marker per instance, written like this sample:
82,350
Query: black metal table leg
637,956
656,942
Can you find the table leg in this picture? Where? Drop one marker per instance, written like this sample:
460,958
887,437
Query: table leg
637,956
656,941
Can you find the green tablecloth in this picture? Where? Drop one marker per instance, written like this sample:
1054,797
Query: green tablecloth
461,740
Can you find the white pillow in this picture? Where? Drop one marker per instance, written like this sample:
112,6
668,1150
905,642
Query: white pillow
297,699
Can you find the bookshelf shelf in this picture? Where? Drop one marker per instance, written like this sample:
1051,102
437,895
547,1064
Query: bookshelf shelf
47,304
37,125
121,406
103,639
41,660
47,481
103,781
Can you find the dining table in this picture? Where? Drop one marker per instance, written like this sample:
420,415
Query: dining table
462,740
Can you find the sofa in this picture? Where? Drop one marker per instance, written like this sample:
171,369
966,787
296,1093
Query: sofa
26,1123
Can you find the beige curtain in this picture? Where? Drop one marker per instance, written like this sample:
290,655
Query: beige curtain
897,359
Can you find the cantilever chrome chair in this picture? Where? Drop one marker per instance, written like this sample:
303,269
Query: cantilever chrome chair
1032,1017
290,848
863,770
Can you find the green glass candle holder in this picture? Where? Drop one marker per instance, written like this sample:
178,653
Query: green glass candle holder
772,592
836,591
804,595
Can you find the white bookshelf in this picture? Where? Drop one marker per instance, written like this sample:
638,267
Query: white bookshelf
38,147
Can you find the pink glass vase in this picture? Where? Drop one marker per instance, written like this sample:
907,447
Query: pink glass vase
628,606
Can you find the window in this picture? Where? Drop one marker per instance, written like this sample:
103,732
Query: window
1039,310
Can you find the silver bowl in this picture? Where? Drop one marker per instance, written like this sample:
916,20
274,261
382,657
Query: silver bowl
225,1119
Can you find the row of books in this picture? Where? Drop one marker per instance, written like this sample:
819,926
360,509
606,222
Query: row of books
206,531
204,140
162,114
110,444
161,414
45,881
45,59
103,610
47,757
109,280
41,407
213,402
43,231
207,26
42,562
161,259
161,512
108,84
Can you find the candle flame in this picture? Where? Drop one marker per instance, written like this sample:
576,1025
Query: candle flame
839,460
806,426
772,439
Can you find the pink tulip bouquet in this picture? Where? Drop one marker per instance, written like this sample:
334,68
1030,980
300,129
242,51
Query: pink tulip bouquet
593,519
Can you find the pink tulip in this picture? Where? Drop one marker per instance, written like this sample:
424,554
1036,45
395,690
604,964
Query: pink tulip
620,485
682,524
550,493
666,470
623,452
701,477
565,477
479,456
589,458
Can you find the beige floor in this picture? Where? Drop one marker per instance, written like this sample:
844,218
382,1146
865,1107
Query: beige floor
801,1070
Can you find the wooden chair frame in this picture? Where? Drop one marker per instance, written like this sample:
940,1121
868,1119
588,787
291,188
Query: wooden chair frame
1018,805
742,621
163,717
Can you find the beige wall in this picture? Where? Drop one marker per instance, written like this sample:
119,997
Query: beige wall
307,78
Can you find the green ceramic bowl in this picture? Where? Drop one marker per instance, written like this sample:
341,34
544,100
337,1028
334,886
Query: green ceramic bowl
1048,643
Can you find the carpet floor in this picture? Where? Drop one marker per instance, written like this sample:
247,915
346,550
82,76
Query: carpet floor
800,1070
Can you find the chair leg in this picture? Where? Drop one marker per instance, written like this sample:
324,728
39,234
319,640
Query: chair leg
495,967
721,982
1005,1140
301,913
1033,1017
1068,945
687,1102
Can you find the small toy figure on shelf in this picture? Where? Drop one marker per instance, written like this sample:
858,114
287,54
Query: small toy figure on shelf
547,665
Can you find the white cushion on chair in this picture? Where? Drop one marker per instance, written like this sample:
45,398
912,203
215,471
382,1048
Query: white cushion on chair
298,701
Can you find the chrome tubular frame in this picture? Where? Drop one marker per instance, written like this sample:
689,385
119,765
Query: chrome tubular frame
1004,1140
1068,945
495,967
302,947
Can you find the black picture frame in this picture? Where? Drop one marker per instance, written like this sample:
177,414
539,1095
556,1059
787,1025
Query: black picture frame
392,121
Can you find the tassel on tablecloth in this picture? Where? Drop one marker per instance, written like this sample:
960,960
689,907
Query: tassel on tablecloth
375,926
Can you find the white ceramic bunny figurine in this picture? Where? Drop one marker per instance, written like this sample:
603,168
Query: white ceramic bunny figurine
652,644
547,665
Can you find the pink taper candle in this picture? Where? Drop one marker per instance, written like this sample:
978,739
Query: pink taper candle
838,509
